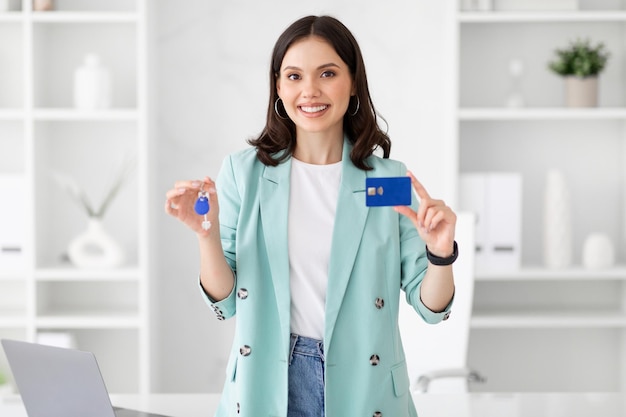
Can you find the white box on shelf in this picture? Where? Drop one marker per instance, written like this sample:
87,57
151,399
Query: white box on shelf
536,5
13,223
496,199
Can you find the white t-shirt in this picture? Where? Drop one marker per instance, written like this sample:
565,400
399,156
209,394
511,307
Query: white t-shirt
312,204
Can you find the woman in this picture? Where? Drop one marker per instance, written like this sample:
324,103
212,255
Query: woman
312,274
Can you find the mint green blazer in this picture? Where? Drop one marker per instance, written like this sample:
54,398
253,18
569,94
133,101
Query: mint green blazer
375,253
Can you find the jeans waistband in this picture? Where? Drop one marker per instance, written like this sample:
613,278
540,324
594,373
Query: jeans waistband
306,346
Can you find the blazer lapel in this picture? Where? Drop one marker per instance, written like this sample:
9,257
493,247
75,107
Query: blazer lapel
348,230
274,202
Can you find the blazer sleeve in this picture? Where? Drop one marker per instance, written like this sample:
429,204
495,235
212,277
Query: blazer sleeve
230,203
414,266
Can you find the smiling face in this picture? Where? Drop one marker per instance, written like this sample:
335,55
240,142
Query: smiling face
315,86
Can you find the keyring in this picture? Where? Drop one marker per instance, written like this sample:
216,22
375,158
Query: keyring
202,207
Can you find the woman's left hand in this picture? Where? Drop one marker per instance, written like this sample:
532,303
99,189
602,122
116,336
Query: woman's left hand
435,222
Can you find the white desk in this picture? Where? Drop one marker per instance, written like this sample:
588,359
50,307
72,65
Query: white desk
430,405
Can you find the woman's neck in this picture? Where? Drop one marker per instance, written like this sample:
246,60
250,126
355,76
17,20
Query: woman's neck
318,149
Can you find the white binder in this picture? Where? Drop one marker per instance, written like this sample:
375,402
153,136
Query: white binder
12,223
496,199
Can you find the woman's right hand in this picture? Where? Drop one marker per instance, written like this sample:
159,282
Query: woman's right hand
180,202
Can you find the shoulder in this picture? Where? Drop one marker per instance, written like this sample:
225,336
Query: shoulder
382,167
244,157
242,162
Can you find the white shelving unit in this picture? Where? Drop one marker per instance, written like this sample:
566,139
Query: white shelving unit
105,311
538,329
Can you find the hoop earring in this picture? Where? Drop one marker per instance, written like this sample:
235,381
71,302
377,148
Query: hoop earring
276,109
358,105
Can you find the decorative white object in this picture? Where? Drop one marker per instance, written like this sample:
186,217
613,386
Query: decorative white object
557,222
536,5
515,99
598,251
95,248
581,92
92,85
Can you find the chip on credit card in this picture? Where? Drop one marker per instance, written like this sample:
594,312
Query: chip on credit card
387,191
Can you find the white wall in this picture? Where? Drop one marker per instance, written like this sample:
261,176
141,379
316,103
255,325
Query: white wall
211,63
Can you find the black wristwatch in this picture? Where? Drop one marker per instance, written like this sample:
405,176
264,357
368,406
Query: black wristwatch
439,261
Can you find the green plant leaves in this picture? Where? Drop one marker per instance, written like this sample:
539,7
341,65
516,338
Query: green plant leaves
580,59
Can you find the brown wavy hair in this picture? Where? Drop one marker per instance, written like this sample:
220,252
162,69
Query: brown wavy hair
278,138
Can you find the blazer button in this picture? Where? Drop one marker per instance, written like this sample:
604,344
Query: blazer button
379,303
377,414
245,350
242,293
446,316
374,360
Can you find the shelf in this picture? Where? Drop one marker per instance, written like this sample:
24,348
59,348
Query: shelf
87,275
11,115
85,17
11,17
12,318
543,17
13,276
538,320
543,274
89,320
546,113
70,114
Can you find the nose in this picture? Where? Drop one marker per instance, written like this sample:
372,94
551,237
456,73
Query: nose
310,88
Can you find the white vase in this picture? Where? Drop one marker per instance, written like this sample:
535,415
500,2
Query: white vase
557,222
92,84
95,248
598,251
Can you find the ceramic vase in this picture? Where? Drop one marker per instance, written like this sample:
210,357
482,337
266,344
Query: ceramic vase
557,222
92,84
42,5
598,251
95,248
581,92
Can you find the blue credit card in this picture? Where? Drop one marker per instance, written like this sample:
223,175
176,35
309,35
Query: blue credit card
388,191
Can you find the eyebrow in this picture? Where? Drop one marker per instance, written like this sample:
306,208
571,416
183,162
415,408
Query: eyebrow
330,64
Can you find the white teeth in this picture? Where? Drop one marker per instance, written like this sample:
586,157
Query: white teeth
313,109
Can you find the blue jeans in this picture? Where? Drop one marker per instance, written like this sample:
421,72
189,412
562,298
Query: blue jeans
306,377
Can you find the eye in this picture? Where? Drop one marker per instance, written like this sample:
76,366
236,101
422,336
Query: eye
293,77
328,74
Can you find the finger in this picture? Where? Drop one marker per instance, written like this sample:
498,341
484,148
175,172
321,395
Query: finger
171,208
410,214
188,184
436,219
418,187
406,211
175,192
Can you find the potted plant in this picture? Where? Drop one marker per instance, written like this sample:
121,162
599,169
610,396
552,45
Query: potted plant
580,64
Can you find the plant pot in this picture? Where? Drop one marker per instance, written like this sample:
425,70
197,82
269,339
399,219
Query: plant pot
581,92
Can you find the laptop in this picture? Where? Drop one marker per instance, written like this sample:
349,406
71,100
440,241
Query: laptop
55,381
